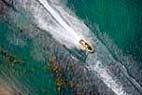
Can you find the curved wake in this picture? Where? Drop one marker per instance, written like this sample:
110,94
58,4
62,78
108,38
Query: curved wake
51,17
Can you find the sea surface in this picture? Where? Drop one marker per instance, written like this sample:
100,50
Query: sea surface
120,21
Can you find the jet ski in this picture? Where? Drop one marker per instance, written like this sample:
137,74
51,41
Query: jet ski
85,46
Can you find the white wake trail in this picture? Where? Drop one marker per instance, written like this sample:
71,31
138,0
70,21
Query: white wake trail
107,78
69,32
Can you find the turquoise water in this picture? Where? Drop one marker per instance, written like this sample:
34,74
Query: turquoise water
121,20
31,73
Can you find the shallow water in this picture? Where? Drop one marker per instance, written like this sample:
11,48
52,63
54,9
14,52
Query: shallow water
107,71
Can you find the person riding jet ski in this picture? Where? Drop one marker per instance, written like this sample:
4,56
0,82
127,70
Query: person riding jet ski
84,45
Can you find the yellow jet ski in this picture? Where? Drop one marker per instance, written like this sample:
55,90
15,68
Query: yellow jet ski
84,45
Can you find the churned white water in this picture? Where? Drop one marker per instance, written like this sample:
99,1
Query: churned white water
107,78
51,17
68,30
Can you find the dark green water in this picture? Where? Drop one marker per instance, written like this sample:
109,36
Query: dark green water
121,20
